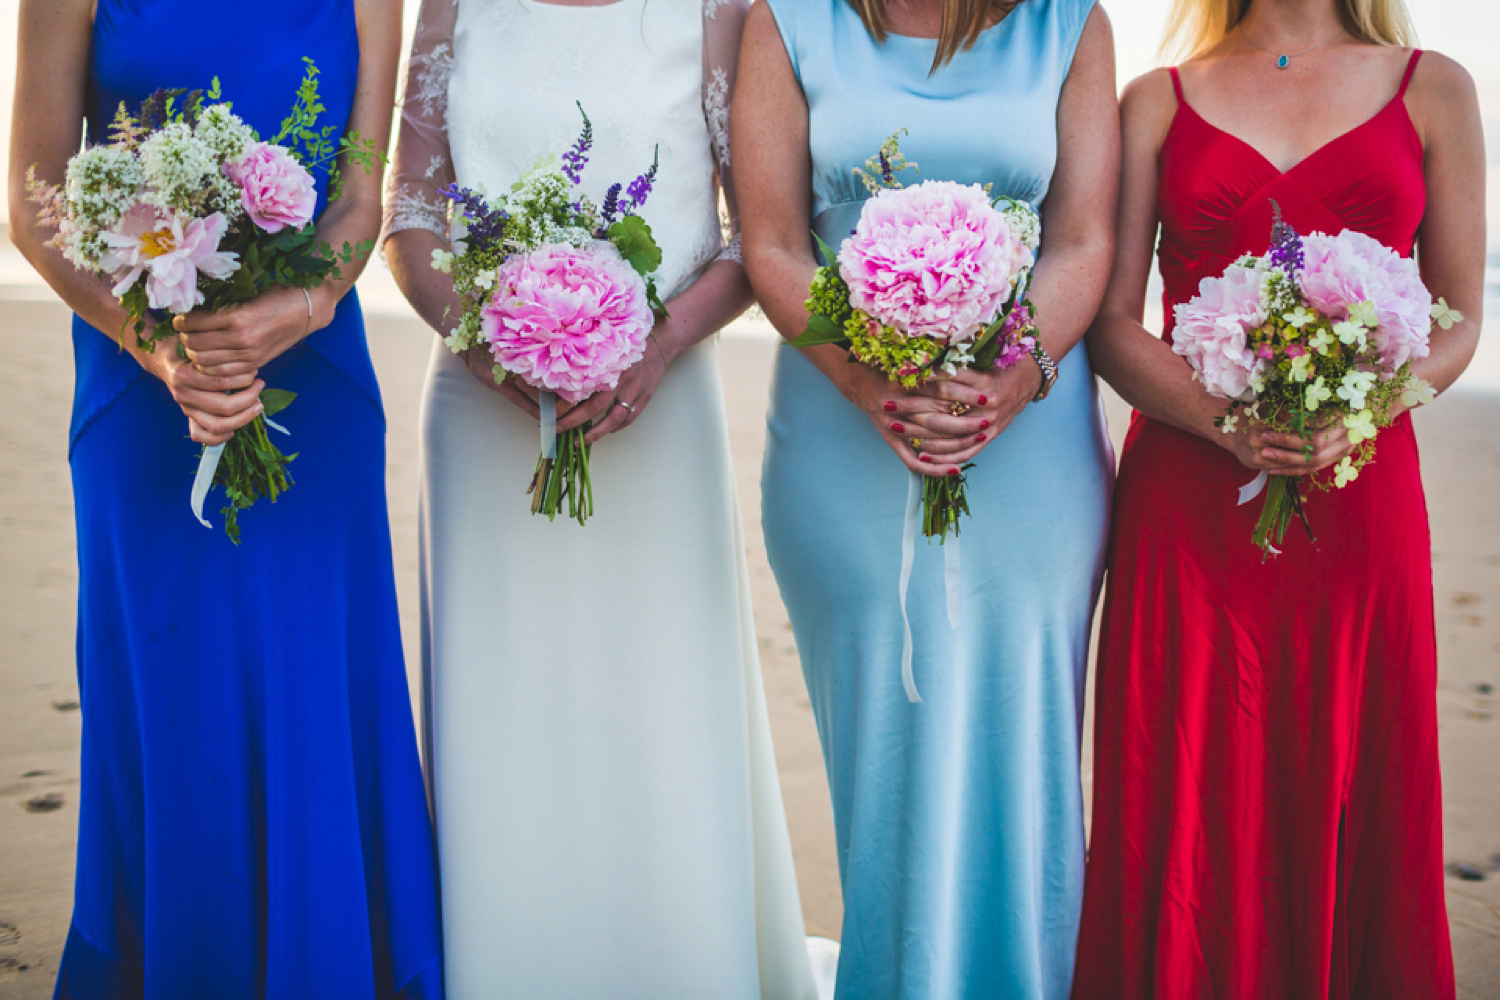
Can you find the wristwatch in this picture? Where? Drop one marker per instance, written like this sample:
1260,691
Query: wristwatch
1049,372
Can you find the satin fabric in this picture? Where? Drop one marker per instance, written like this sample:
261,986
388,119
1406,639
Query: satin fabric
252,819
958,819
1267,816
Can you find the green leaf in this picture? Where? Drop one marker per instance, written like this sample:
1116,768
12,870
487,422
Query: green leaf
830,258
632,237
820,330
276,400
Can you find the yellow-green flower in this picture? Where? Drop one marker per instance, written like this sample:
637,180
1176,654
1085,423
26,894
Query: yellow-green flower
1322,341
1355,387
1364,314
1317,394
1299,317
1302,368
1345,472
1350,333
1445,317
1418,392
1361,426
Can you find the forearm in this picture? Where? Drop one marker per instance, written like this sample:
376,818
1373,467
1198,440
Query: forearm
1451,351
1066,288
1148,375
721,293
349,221
782,278
430,291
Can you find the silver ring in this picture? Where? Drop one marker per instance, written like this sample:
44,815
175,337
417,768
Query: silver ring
628,407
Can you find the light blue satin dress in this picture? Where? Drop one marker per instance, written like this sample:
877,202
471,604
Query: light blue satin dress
959,818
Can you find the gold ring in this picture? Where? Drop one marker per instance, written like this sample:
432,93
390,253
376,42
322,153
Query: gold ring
915,442
958,409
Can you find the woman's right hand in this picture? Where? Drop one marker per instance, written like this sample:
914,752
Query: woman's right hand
879,399
1259,447
482,366
216,405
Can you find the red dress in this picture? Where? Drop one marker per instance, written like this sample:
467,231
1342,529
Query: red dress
1267,817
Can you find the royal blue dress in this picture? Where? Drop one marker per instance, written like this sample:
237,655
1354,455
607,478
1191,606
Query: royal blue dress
958,819
252,818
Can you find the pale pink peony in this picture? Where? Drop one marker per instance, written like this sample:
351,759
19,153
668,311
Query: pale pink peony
275,189
568,320
1344,270
1212,327
932,260
170,252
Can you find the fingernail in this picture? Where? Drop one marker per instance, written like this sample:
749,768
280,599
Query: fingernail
979,438
983,400
890,407
925,458
952,472
899,428
984,425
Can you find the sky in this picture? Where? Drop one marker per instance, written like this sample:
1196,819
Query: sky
1466,30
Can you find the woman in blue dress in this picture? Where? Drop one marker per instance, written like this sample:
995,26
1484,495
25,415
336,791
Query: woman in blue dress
958,817
252,821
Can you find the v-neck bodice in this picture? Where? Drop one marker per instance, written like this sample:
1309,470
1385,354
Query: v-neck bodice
1215,190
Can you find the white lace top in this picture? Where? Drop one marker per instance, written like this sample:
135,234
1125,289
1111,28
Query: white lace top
492,86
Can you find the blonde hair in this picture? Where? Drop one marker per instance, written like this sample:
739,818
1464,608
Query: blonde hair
963,22
1196,26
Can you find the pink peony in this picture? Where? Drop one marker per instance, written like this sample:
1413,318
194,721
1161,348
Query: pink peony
1212,327
275,189
568,320
932,260
170,252
1344,270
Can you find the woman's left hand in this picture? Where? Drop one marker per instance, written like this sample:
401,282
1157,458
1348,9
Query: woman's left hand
990,401
244,337
618,408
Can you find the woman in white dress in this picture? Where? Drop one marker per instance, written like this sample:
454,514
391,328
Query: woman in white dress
608,815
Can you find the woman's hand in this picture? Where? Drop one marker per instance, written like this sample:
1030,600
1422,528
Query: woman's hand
243,338
989,401
892,410
481,365
1259,447
619,407
216,405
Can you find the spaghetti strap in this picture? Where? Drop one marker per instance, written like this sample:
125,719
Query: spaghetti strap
1411,67
1177,84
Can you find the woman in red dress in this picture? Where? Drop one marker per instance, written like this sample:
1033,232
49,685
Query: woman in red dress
1267,818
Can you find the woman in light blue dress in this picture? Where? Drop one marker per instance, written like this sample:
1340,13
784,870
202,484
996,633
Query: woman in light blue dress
958,817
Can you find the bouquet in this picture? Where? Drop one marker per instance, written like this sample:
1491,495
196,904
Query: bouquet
560,292
186,208
1322,328
932,280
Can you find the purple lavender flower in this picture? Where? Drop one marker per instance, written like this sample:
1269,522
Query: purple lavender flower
886,173
486,225
1286,245
576,158
640,188
611,207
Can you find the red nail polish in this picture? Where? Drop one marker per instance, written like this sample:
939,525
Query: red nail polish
979,439
984,425
890,407
983,400
952,472
925,458
899,428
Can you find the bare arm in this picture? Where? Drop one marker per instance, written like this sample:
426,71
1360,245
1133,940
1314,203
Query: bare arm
1451,242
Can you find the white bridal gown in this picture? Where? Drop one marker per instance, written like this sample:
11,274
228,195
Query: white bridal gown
608,816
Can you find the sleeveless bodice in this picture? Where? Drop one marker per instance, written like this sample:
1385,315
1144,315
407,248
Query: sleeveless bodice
256,52
989,116
1215,191
607,59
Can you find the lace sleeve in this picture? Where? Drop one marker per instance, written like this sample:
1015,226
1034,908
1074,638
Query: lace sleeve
723,23
422,166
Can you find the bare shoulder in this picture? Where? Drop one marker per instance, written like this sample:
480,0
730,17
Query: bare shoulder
1098,27
760,24
1442,99
1147,106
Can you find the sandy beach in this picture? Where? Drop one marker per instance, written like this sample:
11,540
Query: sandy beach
39,717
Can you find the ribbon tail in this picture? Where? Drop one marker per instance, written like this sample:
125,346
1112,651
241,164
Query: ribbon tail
1254,487
951,578
547,403
208,464
908,556
275,426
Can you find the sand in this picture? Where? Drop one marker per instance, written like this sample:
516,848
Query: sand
39,719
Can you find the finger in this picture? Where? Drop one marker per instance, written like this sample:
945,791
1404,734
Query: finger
512,392
218,425
1283,458
221,404
954,391
234,369
190,378
590,409
947,425
219,357
203,436
618,418
200,319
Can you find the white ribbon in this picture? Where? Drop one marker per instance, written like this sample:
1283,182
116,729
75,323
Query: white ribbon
1253,488
908,555
208,464
547,403
950,577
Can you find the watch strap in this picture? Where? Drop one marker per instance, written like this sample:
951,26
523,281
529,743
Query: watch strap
1049,372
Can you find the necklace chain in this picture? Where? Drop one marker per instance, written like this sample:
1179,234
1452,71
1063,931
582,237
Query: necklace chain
1284,58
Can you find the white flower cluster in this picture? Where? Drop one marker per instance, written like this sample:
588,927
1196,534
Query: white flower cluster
541,205
1278,293
1024,222
102,182
223,132
182,172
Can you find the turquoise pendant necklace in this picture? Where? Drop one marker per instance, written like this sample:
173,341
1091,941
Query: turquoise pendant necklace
1283,59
